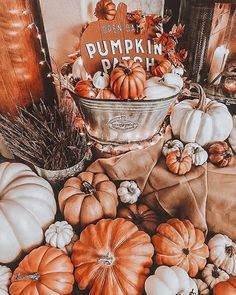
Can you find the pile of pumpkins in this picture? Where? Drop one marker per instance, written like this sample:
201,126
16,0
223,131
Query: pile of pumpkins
116,248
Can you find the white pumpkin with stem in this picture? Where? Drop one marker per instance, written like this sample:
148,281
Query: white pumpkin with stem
172,79
171,146
27,208
101,80
128,192
212,275
223,253
202,287
232,136
156,88
170,281
198,154
5,279
201,120
78,69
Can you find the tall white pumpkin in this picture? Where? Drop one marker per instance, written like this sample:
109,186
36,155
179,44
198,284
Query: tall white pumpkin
201,120
5,279
232,136
27,207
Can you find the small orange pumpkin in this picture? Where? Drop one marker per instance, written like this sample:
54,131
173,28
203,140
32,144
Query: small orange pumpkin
112,257
128,80
225,288
87,198
179,162
106,94
105,9
46,270
220,154
161,68
85,88
141,215
178,243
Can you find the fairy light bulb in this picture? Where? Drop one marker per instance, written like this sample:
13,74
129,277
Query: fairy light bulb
42,62
30,26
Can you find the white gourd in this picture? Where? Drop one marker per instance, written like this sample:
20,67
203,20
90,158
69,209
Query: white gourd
101,80
171,79
232,136
128,192
5,279
171,146
198,154
212,275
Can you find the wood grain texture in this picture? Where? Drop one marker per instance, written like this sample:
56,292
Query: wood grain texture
63,20
20,72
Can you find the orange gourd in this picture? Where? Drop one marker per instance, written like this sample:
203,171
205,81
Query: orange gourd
45,270
220,154
87,198
112,257
225,288
105,9
161,68
85,88
179,162
128,80
178,243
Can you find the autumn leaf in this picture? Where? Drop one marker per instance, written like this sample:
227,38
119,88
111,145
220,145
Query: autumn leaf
139,21
182,55
177,31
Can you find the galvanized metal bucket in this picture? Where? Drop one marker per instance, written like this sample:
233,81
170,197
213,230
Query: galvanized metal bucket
119,122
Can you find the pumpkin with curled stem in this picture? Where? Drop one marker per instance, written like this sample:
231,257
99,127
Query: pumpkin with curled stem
198,154
223,253
179,162
5,279
101,80
87,198
85,88
178,243
212,275
46,270
225,288
220,154
128,80
105,9
171,146
112,257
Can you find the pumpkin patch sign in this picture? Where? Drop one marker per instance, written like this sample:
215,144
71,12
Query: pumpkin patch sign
104,43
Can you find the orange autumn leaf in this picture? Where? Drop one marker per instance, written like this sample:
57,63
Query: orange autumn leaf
177,31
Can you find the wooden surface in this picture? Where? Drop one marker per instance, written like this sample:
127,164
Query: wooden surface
63,20
20,72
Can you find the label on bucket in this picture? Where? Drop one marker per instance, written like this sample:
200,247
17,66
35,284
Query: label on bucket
122,123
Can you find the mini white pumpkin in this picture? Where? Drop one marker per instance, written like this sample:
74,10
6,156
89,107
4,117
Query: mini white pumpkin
202,287
128,192
5,279
198,154
156,88
78,69
232,136
171,146
172,79
178,71
223,253
101,80
170,281
212,275
201,120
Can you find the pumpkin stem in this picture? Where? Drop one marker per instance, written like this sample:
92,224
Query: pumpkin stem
230,251
127,71
192,292
186,251
227,154
202,97
33,276
215,272
87,187
138,219
107,259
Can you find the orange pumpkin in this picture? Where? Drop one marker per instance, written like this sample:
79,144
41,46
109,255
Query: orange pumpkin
45,270
128,80
178,243
179,162
85,88
105,9
141,215
106,94
225,288
112,257
87,198
161,68
220,154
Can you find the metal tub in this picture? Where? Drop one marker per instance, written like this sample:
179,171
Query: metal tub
119,122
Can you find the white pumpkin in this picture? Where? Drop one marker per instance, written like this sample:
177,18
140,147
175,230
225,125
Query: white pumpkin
171,146
212,275
171,79
128,192
5,279
78,70
27,208
156,88
232,136
198,154
223,253
101,80
178,71
202,287
170,281
201,120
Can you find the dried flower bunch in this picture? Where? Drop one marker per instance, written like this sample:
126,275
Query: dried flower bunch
45,136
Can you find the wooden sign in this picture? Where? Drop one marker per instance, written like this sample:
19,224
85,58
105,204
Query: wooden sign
105,43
